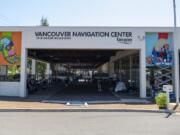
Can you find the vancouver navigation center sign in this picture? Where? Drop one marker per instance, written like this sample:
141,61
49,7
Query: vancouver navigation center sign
121,37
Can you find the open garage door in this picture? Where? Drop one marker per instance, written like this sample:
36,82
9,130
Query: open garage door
85,75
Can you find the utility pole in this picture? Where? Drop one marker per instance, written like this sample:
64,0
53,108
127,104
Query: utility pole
176,56
174,7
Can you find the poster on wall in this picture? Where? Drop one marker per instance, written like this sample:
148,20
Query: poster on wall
10,48
159,49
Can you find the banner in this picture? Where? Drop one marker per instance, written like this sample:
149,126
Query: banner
159,49
10,48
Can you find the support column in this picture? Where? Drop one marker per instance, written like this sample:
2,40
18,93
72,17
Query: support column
33,67
142,72
176,75
176,65
23,79
48,70
111,67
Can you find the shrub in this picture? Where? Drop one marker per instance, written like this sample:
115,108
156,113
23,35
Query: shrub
161,100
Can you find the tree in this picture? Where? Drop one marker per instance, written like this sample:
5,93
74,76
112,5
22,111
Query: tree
44,22
40,69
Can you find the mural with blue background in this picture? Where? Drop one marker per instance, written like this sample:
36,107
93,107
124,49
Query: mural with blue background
159,49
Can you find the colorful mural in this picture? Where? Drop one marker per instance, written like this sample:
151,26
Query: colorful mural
159,49
10,48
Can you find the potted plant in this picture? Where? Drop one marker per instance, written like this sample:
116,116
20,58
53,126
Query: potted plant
161,100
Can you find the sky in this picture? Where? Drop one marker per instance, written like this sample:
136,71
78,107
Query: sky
88,12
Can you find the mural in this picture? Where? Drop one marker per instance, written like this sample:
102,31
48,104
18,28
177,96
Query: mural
159,49
10,48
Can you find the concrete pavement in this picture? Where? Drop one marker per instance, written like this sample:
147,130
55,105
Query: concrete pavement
26,104
4,105
89,123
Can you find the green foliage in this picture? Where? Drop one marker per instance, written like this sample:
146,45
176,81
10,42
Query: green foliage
44,22
29,63
40,68
161,100
13,69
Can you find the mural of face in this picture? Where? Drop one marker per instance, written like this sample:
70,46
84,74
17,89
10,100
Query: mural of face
8,50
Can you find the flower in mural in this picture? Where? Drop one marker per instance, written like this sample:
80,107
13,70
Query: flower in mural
8,50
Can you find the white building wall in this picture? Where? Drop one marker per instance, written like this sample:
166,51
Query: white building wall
14,88
176,62
29,41
10,88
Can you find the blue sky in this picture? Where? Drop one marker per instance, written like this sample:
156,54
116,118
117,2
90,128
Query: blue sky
88,12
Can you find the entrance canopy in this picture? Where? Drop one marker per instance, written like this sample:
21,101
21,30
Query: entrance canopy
85,59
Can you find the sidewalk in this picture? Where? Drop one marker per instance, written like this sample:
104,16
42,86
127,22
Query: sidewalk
178,109
174,107
39,105
30,104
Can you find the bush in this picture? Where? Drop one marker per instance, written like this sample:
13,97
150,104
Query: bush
161,100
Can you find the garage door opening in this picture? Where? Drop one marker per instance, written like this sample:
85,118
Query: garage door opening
83,75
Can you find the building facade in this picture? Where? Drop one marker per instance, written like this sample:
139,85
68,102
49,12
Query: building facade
158,48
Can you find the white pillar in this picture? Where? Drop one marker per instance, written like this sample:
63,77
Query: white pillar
176,75
23,92
176,66
33,67
48,72
142,72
